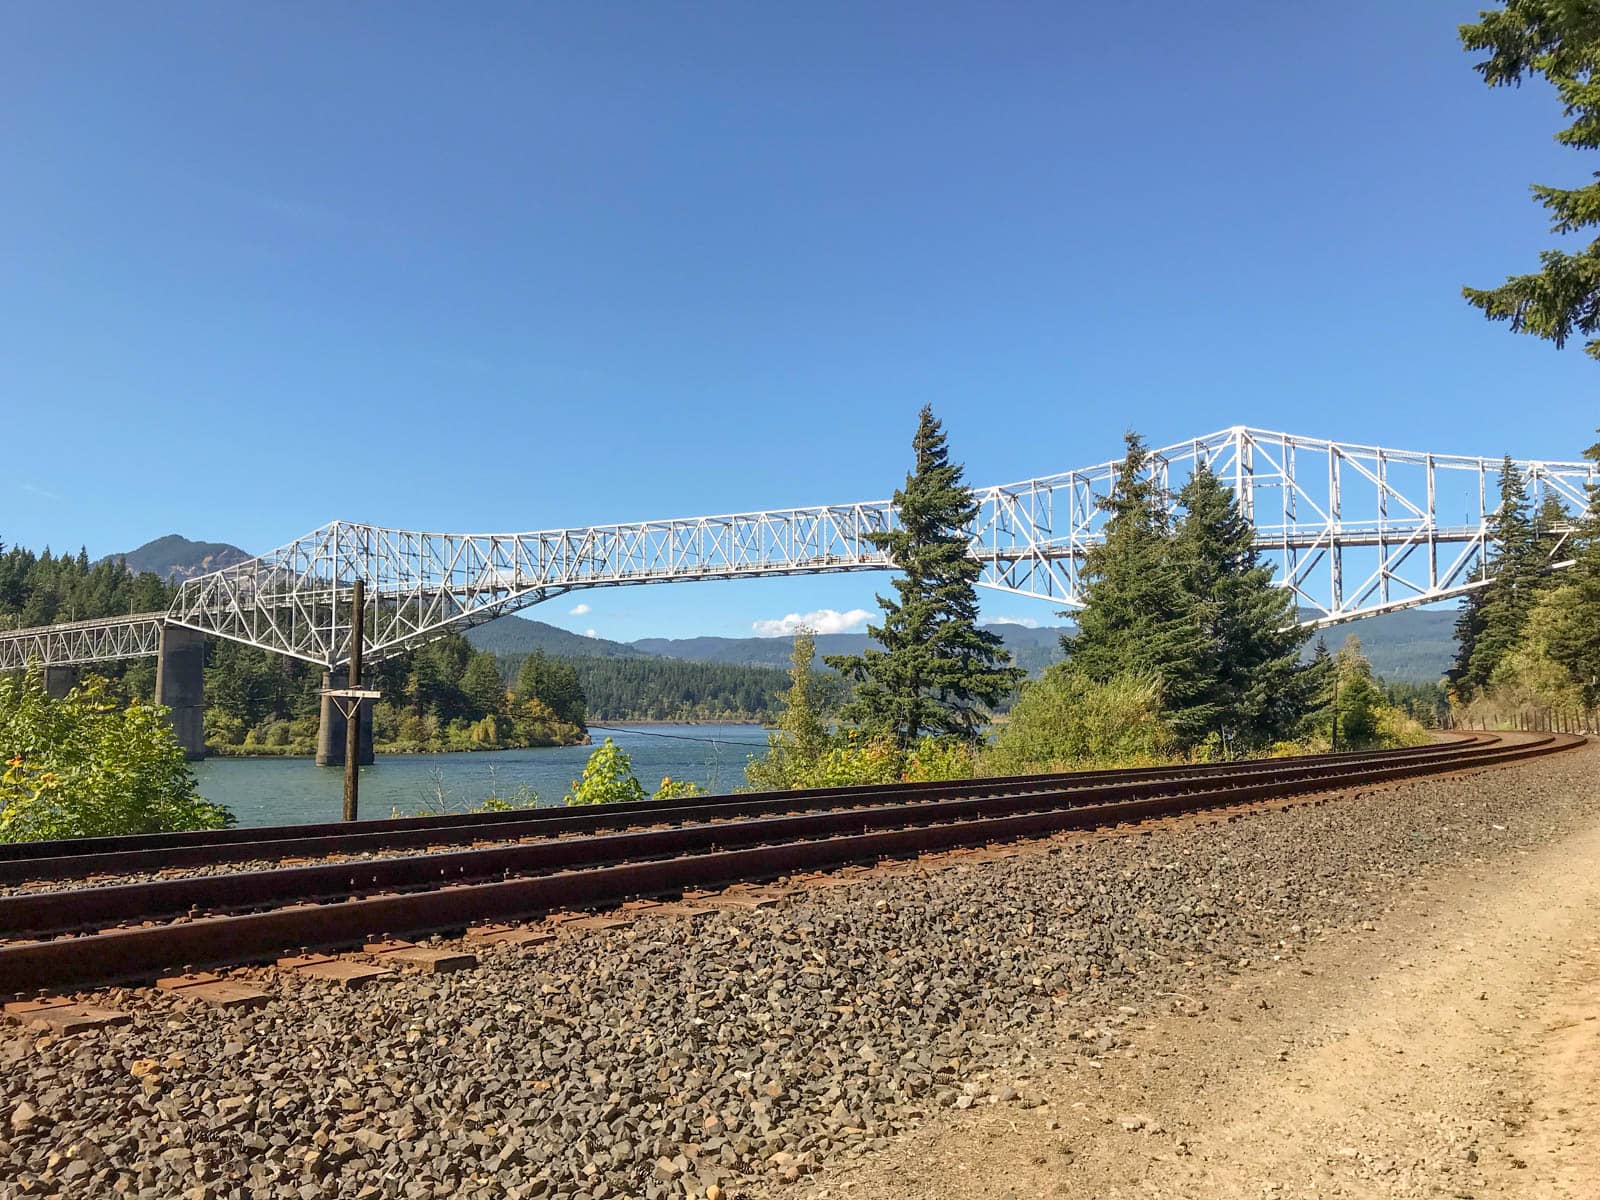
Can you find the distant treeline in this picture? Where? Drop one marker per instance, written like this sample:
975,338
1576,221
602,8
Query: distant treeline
669,689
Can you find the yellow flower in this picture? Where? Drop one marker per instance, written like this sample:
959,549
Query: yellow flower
14,762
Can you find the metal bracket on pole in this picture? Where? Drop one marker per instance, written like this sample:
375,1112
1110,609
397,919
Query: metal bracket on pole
349,700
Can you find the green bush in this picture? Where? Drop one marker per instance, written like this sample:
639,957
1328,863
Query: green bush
83,767
936,758
223,729
607,778
677,789
1063,721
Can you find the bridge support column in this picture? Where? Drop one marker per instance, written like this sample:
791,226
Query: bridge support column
331,728
181,686
58,681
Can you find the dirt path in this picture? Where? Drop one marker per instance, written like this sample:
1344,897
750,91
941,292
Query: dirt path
1453,1052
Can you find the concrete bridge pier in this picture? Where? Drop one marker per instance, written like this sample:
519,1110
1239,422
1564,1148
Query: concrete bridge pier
331,728
181,686
58,681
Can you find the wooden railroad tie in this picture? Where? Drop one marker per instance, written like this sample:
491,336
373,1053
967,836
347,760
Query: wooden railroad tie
204,987
64,1016
337,970
429,959
509,935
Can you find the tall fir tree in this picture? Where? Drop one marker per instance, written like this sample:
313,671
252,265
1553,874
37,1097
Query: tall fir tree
1560,40
1320,683
937,672
481,685
1492,624
1254,690
1137,618
802,733
1468,629
1575,642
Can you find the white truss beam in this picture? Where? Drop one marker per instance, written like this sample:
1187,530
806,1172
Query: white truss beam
81,642
1351,530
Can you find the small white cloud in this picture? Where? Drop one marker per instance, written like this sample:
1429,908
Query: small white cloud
1025,622
579,610
824,620
35,490
590,633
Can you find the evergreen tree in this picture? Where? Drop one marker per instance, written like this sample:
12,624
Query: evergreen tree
802,733
1575,642
1319,677
1550,525
1468,629
1137,618
1360,700
1515,567
1254,690
937,672
1560,40
481,685
555,683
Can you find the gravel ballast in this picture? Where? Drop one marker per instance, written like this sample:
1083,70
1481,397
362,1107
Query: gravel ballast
690,1057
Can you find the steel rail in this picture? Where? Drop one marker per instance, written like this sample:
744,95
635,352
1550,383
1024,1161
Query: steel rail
565,821
78,858
770,820
141,952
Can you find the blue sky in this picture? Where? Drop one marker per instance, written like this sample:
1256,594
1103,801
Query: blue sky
567,264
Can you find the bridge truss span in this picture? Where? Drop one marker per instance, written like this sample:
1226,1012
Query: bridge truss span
1349,529
77,642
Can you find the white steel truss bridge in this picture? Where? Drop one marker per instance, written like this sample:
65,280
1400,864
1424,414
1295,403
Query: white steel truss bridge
1351,530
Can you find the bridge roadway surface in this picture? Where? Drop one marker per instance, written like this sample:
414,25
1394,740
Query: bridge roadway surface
100,932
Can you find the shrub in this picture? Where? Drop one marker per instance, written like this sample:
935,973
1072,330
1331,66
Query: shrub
83,767
222,728
677,789
607,778
853,761
933,759
1063,721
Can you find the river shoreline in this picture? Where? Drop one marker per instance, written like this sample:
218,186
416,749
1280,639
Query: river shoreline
257,753
273,789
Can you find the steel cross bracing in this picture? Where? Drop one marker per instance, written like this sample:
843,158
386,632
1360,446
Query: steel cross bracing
1351,530
103,640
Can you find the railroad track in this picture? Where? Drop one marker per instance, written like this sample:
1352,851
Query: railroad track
84,858
91,935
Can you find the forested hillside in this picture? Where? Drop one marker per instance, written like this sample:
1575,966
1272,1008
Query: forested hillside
666,689
513,637
1032,649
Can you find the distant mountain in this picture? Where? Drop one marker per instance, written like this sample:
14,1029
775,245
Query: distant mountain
1416,645
176,558
510,637
1413,646
1033,649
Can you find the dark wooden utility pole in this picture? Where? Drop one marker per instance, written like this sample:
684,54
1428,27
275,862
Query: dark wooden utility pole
1333,737
352,720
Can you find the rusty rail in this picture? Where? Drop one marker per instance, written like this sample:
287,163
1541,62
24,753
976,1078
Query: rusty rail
79,858
579,873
